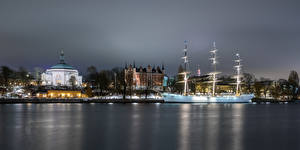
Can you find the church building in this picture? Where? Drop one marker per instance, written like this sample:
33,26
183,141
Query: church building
61,74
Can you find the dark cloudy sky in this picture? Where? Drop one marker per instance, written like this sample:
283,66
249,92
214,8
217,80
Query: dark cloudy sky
107,33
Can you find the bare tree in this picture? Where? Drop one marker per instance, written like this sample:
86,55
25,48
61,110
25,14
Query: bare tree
248,80
6,74
72,81
294,82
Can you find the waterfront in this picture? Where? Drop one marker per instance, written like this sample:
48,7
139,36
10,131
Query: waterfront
149,126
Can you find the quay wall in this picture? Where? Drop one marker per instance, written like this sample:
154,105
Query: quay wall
38,100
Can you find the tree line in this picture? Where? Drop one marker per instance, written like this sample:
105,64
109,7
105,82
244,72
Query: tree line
114,81
280,89
104,82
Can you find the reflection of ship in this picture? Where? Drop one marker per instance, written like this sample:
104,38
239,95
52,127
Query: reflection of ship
236,97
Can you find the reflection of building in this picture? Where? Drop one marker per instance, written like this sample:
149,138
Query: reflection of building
143,78
61,74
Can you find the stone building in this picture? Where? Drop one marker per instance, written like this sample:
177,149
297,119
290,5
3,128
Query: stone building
140,78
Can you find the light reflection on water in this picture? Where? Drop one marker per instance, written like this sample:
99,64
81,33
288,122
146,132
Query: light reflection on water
237,126
149,126
184,129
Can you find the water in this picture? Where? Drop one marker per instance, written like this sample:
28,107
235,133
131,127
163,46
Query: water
149,126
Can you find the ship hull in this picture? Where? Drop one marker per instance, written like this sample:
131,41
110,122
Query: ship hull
177,98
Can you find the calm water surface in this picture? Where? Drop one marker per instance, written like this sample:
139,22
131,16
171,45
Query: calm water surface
149,126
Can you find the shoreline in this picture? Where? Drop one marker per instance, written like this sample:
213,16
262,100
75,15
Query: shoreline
37,100
122,101
273,101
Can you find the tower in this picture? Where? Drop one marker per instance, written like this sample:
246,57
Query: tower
125,65
198,71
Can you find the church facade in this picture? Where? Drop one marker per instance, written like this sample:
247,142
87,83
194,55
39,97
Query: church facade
61,74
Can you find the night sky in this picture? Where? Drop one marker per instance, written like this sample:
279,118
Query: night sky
108,33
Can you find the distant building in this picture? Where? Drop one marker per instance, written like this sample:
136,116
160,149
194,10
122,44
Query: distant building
202,84
140,78
61,74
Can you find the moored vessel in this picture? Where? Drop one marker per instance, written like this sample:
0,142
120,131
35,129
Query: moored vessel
213,97
230,98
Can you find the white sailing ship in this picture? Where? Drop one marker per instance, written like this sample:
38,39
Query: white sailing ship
236,97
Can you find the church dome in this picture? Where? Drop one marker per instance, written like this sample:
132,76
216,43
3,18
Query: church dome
62,64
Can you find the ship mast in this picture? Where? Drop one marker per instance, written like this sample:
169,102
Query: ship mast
213,74
186,65
238,68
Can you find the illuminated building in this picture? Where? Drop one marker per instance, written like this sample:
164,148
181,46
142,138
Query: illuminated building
203,86
61,74
142,78
61,94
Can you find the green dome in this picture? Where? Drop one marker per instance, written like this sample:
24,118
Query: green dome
62,66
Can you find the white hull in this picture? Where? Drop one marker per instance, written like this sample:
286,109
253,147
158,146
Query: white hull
177,98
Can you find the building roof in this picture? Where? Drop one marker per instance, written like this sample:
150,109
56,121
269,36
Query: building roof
144,70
